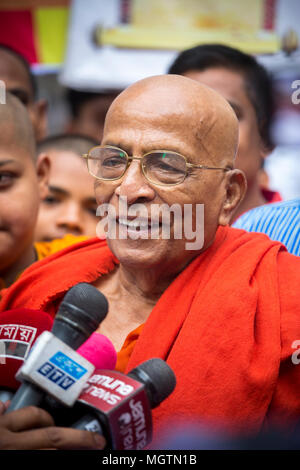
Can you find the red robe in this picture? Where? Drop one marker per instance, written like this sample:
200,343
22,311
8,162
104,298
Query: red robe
226,325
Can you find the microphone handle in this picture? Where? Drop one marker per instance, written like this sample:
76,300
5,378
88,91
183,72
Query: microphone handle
26,395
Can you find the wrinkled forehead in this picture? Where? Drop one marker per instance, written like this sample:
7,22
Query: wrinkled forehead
185,110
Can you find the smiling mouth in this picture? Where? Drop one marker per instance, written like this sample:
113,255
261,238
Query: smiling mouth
138,225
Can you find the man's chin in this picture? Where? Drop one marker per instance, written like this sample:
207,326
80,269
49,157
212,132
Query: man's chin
133,247
144,254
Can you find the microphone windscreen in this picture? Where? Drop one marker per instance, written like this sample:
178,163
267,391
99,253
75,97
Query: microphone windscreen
83,307
158,377
99,350
19,328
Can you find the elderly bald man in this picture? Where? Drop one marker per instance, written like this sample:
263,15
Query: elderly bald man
224,315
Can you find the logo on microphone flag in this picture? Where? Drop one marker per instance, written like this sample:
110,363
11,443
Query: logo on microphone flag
16,340
56,368
59,369
124,406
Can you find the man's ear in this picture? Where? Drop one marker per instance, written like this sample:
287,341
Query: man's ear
40,124
43,169
236,187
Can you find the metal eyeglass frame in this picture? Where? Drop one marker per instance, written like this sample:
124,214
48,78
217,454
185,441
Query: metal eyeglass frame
188,165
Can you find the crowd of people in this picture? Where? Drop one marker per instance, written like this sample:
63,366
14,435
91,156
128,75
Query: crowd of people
225,315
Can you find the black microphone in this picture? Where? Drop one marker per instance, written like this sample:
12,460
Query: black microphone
57,373
118,406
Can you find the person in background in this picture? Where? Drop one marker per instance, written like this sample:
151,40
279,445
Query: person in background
280,221
70,205
23,181
247,86
23,184
87,111
15,72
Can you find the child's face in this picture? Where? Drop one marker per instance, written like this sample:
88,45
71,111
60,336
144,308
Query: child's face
22,184
70,205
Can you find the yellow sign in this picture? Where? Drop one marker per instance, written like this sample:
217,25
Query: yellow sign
181,24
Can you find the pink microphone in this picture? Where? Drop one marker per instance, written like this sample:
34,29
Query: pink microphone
99,350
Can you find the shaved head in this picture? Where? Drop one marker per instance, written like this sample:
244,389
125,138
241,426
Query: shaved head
16,73
15,125
207,121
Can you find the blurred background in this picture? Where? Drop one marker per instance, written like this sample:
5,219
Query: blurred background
101,46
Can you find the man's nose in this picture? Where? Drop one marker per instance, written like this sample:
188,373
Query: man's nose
70,218
134,185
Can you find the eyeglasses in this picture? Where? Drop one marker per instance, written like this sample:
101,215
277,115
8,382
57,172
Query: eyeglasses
161,167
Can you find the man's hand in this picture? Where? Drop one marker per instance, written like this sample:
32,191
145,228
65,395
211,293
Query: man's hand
32,428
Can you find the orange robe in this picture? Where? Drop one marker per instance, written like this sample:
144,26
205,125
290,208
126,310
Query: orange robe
226,325
44,249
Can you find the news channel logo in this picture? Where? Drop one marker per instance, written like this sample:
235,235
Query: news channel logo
62,370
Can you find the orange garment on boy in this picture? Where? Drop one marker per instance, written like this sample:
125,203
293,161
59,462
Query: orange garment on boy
226,325
44,249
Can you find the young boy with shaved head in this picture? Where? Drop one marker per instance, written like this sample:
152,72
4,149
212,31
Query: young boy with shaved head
70,205
23,183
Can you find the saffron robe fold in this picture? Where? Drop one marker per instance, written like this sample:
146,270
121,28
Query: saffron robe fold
226,325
